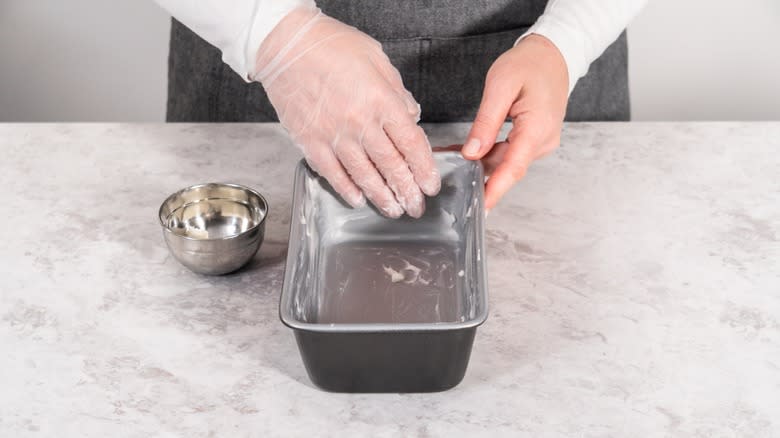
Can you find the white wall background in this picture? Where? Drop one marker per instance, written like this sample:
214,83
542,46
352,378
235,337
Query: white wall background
94,60
82,60
706,60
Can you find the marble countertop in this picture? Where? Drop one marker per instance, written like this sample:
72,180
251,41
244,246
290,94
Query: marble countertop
634,291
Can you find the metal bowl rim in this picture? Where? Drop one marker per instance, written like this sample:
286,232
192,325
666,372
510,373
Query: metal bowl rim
254,192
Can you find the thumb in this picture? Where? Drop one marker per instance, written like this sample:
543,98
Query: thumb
497,99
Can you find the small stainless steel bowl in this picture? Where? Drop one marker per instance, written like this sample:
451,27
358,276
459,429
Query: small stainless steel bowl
214,228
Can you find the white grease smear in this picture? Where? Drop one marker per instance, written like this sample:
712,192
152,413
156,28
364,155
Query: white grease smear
395,276
449,217
413,272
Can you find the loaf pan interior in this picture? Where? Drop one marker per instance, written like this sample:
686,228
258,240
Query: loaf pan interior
355,270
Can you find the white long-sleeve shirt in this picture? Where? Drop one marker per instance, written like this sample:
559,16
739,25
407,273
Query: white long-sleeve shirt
580,29
583,29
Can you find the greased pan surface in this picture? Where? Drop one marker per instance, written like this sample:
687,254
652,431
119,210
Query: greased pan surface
387,305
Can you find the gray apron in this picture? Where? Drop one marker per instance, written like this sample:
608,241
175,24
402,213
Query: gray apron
443,49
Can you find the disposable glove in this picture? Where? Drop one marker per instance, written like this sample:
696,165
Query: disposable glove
344,104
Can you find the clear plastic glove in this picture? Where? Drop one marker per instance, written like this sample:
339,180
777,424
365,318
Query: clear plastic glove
344,104
529,84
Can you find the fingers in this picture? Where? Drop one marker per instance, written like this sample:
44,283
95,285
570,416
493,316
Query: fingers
412,143
412,107
519,153
324,162
363,173
493,158
396,172
394,80
497,99
404,133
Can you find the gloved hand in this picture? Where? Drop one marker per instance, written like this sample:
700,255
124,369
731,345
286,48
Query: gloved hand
345,106
529,84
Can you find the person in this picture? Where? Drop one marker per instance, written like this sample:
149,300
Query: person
351,80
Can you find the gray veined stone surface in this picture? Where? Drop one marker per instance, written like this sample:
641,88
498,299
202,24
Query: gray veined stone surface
634,291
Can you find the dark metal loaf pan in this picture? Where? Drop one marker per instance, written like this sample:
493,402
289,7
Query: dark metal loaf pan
387,305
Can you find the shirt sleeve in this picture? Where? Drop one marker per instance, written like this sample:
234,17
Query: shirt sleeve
583,29
235,27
